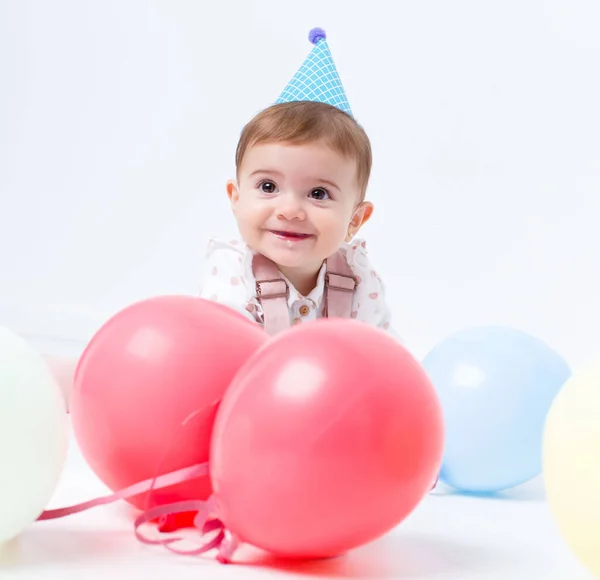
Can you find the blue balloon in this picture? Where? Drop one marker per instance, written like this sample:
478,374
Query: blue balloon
496,386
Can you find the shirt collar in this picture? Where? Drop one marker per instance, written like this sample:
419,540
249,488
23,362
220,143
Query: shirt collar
315,295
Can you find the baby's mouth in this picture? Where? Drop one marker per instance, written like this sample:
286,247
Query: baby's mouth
294,236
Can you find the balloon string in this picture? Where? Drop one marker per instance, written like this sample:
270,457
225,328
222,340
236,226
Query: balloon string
205,523
173,478
146,486
164,522
223,541
205,520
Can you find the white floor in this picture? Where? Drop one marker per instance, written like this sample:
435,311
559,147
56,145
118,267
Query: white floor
447,537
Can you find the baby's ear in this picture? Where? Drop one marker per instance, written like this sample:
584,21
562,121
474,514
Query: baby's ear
233,193
361,216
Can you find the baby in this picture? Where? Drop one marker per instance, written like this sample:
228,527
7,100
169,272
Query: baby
302,170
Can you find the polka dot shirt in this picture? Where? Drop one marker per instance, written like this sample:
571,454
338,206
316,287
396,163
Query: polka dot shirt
229,279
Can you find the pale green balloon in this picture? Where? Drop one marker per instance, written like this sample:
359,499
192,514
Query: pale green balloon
33,435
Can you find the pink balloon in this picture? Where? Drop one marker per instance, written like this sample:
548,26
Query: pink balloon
142,375
327,438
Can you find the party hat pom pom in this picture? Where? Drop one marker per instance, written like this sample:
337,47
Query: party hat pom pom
316,34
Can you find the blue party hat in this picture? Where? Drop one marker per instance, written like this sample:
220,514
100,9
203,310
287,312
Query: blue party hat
317,79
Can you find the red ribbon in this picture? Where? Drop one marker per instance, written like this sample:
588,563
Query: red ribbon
205,521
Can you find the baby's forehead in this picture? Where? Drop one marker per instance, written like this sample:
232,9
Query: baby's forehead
301,157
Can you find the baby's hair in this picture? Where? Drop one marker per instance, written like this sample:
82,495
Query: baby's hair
301,122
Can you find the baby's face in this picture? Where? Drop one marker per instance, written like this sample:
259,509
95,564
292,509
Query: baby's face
295,203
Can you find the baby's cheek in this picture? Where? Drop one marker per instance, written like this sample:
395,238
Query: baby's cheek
250,215
335,229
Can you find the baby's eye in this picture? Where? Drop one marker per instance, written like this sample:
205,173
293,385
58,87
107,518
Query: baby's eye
267,187
320,194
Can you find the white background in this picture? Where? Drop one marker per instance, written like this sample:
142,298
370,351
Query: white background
118,125
119,121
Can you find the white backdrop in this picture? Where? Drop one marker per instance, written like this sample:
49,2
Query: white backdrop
119,120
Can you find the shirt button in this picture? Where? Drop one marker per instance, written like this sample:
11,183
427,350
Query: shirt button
304,310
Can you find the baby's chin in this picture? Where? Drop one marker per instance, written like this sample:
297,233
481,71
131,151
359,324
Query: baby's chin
294,259
295,262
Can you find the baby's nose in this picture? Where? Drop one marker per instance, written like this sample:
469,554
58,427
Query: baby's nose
291,208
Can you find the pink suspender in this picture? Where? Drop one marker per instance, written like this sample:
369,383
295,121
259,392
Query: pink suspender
340,284
273,291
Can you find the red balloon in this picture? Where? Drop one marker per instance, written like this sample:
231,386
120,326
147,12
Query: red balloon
142,375
327,438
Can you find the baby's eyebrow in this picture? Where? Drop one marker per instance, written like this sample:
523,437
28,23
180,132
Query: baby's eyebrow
329,183
268,171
